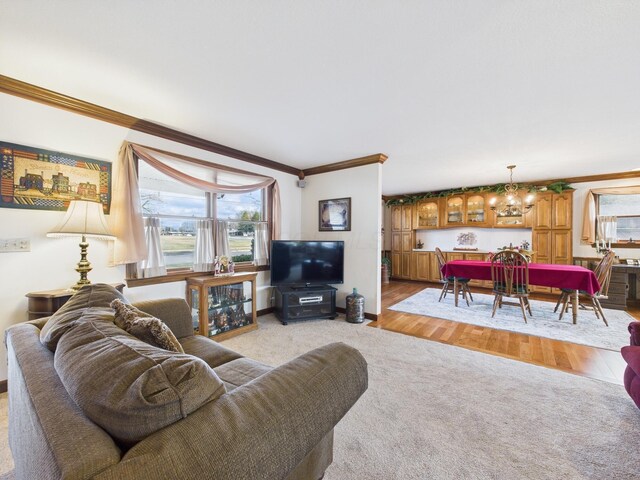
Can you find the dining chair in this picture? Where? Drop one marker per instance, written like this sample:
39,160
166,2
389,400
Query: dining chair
448,282
603,274
510,278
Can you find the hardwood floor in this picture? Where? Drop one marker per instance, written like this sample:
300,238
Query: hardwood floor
598,363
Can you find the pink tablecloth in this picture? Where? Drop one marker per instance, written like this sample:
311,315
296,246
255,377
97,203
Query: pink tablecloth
571,277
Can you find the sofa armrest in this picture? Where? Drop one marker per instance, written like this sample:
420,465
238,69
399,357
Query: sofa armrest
175,312
634,330
262,429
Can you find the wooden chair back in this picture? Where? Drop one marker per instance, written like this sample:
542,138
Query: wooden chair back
441,261
603,272
510,274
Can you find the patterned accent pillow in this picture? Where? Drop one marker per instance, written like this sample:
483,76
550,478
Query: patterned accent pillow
145,327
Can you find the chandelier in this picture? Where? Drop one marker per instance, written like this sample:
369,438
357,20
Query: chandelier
511,204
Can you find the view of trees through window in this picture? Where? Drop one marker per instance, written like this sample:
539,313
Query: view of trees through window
178,212
627,209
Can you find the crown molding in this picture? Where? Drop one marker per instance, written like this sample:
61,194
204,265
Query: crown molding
355,162
34,93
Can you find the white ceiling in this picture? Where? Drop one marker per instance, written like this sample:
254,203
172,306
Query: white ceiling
452,90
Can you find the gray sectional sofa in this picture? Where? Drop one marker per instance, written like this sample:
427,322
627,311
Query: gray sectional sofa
88,400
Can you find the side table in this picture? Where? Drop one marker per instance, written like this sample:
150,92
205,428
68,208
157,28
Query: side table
46,303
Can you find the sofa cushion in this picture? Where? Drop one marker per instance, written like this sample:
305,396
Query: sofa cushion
175,312
89,296
241,371
208,350
130,388
144,327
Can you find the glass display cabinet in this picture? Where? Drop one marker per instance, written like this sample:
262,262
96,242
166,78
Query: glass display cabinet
223,306
427,214
454,211
476,210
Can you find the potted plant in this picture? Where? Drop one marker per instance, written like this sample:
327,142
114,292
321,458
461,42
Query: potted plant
386,269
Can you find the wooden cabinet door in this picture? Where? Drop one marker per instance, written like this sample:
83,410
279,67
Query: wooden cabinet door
407,243
454,213
396,265
407,214
427,214
396,242
476,210
451,256
434,270
396,218
478,257
543,211
422,266
562,210
561,247
541,246
406,265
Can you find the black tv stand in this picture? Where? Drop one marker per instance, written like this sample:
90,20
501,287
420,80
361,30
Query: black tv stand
301,302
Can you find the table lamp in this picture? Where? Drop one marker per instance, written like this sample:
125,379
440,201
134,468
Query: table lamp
83,219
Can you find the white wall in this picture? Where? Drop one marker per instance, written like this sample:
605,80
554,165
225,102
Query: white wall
488,239
363,243
585,250
50,263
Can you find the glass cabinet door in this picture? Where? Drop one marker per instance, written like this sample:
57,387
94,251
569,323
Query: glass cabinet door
454,211
476,209
222,307
228,308
427,214
509,211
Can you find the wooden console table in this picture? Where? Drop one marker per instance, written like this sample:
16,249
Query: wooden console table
46,303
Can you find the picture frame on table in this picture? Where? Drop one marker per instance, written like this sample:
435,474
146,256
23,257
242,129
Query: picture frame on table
334,215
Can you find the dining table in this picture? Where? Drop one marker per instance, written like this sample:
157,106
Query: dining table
568,277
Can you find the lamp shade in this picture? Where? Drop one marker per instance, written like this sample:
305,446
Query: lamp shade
83,218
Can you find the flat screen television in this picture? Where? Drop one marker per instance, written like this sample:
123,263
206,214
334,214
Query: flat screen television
306,263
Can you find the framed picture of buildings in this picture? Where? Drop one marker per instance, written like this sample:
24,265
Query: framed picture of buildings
45,180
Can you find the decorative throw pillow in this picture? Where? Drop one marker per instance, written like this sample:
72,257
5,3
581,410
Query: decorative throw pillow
143,326
128,387
97,295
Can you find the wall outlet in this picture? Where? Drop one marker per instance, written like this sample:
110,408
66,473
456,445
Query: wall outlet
15,245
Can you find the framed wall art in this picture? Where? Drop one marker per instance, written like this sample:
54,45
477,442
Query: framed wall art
335,215
44,180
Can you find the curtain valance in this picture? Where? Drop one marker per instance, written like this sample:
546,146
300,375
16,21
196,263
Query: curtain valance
126,210
589,213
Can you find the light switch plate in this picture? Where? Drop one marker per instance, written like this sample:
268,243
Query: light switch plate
15,245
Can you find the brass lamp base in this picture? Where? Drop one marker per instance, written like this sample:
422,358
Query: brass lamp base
84,267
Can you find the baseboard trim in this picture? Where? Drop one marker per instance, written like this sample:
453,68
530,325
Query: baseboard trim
265,311
367,315
3,386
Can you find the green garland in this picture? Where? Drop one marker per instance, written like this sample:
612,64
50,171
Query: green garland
557,187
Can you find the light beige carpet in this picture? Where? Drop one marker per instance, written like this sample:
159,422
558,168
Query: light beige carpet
435,411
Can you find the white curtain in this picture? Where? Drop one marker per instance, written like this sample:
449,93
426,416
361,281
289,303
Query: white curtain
126,211
222,239
607,230
154,265
261,244
203,257
589,213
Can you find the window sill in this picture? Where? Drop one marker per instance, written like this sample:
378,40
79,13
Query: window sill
182,275
635,244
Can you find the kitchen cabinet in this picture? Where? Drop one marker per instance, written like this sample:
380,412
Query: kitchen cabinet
402,240
476,210
427,214
454,213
